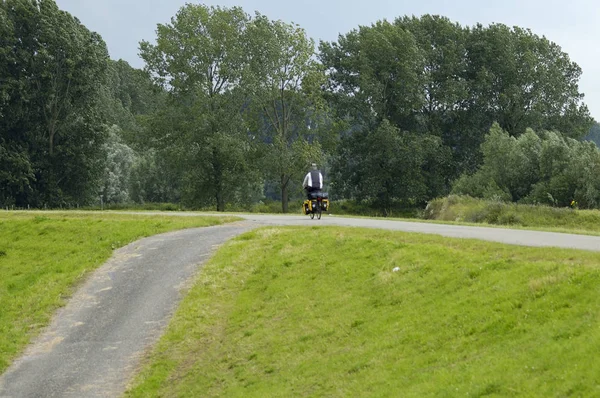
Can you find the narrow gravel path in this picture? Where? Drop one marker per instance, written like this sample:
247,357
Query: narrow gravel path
94,344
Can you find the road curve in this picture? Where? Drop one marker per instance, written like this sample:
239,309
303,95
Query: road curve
93,345
502,235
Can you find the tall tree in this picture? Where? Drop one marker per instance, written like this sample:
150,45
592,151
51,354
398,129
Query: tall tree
383,83
522,80
444,86
16,171
284,84
54,72
374,75
200,57
432,77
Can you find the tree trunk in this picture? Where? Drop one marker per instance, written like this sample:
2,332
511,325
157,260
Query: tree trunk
51,134
284,193
220,200
284,200
218,179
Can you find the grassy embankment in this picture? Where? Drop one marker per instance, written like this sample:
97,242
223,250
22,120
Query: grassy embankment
44,255
464,209
321,312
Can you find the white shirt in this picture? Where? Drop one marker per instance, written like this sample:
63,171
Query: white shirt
308,182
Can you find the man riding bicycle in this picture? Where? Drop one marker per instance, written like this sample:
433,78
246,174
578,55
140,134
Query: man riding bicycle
313,181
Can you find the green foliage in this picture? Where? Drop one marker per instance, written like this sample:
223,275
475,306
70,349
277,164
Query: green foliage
429,76
594,134
267,317
387,165
230,105
128,96
373,74
535,168
16,172
51,73
46,255
117,172
525,81
283,83
153,179
201,58
473,210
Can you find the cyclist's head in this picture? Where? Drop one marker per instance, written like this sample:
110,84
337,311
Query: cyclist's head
314,166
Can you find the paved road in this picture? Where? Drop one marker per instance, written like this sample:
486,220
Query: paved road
94,344
502,235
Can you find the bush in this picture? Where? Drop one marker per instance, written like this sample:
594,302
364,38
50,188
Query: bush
535,168
370,208
138,206
468,209
272,206
510,218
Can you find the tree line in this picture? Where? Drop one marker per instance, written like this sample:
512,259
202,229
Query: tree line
231,108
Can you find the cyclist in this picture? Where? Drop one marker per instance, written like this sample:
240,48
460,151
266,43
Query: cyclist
313,181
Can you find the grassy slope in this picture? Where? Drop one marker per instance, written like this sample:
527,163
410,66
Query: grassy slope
42,256
319,312
464,209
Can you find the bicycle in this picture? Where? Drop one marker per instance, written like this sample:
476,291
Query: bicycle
315,206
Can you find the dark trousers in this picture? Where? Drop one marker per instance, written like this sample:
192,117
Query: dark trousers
310,191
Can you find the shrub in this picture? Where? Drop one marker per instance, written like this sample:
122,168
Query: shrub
534,168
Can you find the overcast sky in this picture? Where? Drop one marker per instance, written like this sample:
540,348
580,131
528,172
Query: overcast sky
573,24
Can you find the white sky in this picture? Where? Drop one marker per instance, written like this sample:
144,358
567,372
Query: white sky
574,24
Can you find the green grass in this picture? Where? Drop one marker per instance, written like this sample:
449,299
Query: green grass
44,255
318,312
137,206
464,209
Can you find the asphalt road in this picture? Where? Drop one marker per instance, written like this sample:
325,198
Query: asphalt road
94,345
502,235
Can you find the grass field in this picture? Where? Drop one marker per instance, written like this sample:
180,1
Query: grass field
318,312
44,255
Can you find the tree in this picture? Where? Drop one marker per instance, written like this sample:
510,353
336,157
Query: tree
200,58
117,171
386,165
443,82
543,167
16,172
522,80
153,179
50,85
374,75
128,97
594,134
431,77
283,83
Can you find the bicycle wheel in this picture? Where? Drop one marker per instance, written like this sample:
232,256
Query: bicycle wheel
319,212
